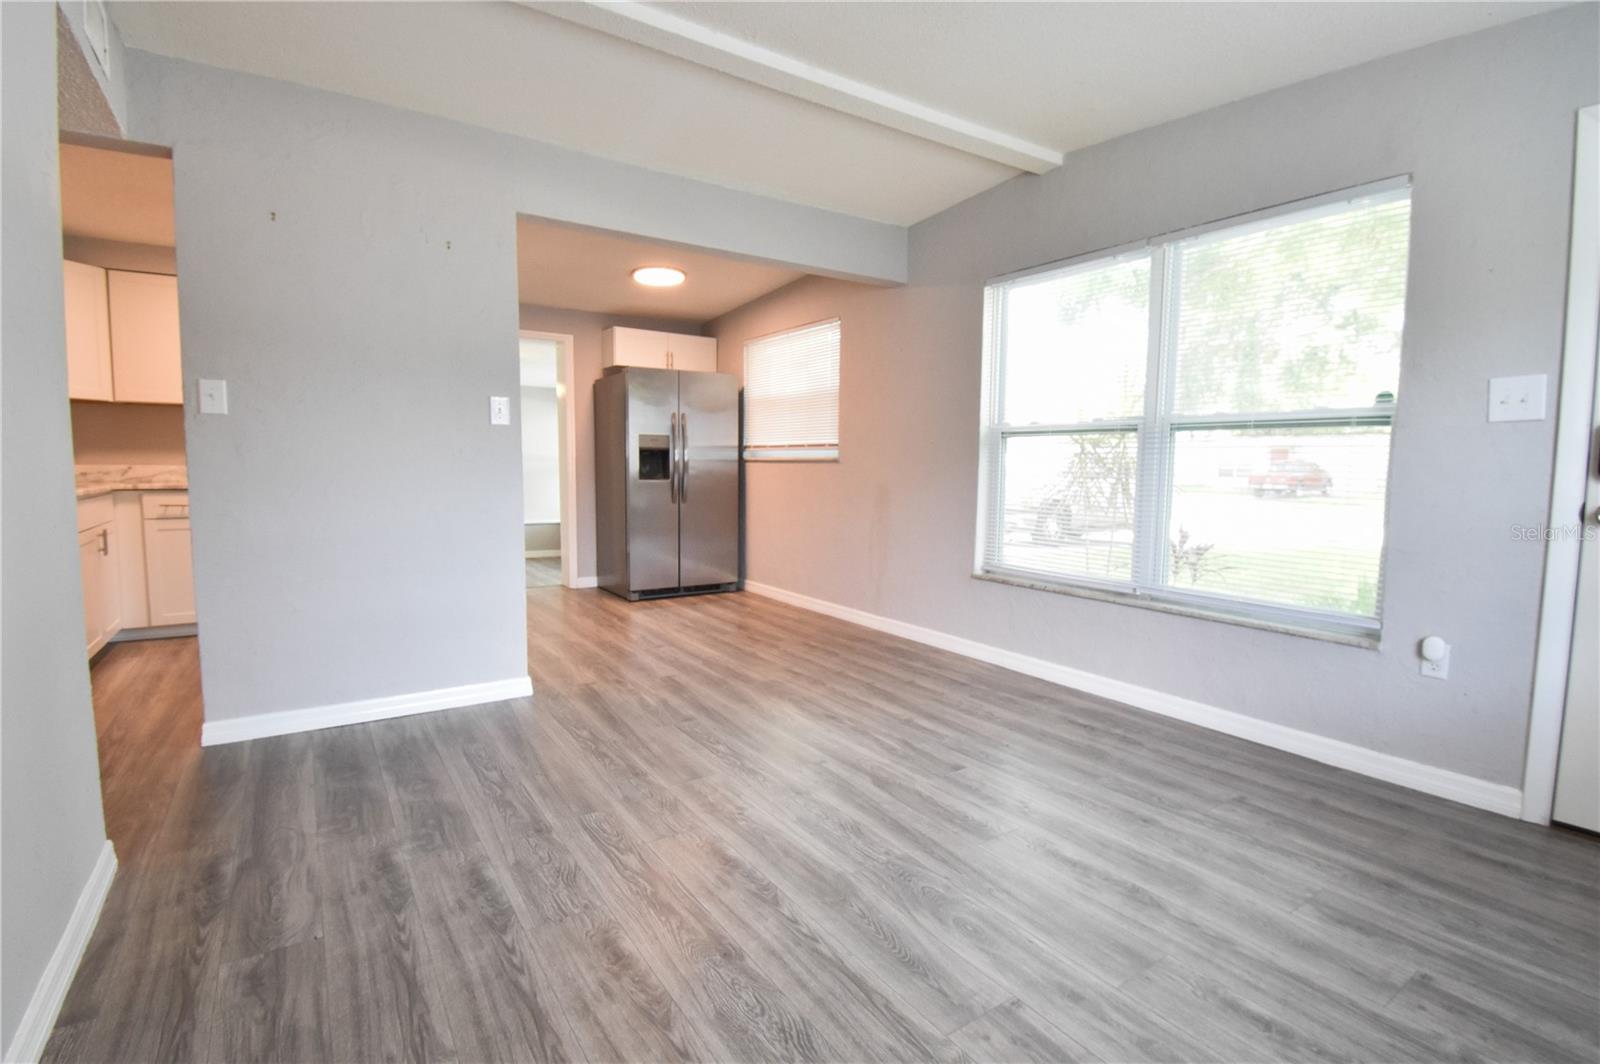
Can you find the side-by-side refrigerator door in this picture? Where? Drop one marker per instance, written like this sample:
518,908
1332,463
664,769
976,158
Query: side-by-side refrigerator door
708,493
652,439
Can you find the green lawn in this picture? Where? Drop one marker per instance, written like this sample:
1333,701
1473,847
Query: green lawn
1321,580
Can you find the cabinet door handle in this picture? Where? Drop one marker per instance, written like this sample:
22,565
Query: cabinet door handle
105,541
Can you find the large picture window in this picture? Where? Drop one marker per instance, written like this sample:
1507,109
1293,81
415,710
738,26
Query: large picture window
1203,421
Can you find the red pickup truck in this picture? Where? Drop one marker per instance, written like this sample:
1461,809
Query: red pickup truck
1291,477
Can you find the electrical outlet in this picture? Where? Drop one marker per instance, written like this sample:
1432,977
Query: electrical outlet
1435,655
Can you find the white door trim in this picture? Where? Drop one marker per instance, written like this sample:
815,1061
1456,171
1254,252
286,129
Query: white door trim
567,418
1574,424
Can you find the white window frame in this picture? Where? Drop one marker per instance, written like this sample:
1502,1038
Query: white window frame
810,452
1155,428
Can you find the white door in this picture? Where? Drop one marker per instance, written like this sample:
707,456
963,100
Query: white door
1577,789
88,331
1578,770
146,360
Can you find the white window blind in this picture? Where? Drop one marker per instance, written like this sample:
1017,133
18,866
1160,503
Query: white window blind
1204,420
791,394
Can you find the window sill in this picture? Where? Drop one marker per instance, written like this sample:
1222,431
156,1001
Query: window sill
802,459
1365,640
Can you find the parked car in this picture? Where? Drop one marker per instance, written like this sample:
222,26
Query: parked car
1291,476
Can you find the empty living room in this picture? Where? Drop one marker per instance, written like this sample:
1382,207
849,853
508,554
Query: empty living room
636,530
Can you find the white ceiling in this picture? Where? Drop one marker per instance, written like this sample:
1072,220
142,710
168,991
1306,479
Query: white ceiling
588,269
515,70
115,195
1058,75
1074,74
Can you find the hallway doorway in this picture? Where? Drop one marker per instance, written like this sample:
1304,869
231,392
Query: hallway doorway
545,364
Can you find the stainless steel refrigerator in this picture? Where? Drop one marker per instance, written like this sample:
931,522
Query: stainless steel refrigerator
666,455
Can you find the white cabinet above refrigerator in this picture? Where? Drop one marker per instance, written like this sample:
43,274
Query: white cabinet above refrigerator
651,349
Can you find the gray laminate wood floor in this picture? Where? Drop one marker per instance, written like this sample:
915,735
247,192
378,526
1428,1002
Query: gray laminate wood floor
542,572
727,829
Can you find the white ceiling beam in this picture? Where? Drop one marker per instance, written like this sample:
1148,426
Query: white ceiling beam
657,28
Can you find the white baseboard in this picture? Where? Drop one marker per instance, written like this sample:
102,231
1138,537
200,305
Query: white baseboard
1429,779
286,722
51,991
586,581
541,554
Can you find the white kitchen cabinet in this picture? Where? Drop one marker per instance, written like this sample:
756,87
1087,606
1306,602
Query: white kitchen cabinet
146,362
88,331
697,353
128,529
168,558
652,349
133,549
101,595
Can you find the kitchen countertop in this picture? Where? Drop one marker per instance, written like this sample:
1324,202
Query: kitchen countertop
93,480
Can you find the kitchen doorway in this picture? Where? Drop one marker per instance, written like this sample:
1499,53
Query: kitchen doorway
126,392
549,447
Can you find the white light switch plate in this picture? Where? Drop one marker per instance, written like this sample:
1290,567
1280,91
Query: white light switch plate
213,396
1517,398
499,410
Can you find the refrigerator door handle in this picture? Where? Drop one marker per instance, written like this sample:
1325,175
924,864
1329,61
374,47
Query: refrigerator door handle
683,461
672,452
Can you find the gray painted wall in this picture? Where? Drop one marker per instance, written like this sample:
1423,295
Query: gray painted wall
1485,126
541,537
51,829
350,270
585,329
541,465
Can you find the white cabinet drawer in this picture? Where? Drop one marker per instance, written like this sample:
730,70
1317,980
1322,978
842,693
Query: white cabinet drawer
165,505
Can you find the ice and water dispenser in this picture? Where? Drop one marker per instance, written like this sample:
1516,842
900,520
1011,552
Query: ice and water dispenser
655,457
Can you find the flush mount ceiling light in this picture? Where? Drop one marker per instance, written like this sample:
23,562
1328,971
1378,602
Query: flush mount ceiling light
659,276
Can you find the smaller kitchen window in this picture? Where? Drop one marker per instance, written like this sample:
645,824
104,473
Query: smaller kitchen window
791,394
